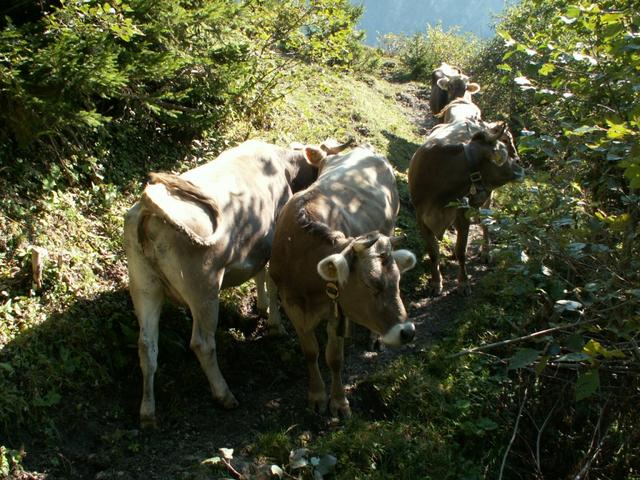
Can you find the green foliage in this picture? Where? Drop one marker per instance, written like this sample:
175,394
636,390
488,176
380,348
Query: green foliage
10,462
421,53
77,77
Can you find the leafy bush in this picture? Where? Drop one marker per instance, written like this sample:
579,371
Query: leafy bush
421,53
74,76
568,241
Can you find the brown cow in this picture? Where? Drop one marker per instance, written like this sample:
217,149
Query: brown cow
447,84
461,160
333,257
210,228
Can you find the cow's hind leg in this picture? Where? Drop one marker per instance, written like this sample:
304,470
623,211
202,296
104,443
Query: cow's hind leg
268,301
334,355
462,236
262,300
433,250
147,293
203,343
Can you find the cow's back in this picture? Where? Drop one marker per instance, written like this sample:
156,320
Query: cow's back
354,194
357,194
249,185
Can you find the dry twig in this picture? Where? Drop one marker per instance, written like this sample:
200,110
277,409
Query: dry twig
515,432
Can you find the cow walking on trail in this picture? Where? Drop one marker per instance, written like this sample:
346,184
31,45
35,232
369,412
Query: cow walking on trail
447,84
333,258
210,228
461,162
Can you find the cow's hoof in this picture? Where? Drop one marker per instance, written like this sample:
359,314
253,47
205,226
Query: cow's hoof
318,403
276,331
148,422
375,343
340,408
228,402
435,289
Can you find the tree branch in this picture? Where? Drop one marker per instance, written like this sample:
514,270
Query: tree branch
515,432
521,339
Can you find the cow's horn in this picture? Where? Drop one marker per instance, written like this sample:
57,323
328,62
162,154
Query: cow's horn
496,132
397,240
331,148
365,241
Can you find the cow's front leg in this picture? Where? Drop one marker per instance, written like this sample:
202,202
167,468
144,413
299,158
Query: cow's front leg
433,250
311,351
334,355
462,236
203,343
485,253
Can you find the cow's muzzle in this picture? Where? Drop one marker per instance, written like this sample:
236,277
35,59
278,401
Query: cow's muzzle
399,334
518,173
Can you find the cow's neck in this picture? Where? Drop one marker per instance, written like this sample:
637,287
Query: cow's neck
300,173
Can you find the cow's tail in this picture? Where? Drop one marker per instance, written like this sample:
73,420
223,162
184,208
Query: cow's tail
183,205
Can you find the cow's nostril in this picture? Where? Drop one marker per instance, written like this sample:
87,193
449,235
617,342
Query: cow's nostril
408,333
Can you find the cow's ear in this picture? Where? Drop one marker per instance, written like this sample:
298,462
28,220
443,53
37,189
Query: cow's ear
499,155
334,268
473,88
314,155
404,259
443,83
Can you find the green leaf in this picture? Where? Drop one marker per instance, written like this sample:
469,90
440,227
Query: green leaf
594,348
50,399
523,358
546,69
617,131
587,384
584,129
572,11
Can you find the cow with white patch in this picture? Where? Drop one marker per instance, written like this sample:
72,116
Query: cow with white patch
210,228
460,162
333,257
447,84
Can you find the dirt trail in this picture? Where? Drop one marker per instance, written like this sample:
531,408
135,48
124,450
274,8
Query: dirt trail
267,376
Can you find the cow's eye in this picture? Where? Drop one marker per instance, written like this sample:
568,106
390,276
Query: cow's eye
376,284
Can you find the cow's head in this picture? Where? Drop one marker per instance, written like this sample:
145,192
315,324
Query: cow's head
499,162
367,273
457,86
308,159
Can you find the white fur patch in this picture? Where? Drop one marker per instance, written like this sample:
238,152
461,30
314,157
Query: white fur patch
392,337
404,259
334,268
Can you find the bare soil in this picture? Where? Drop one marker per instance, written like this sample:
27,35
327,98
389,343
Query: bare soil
267,375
